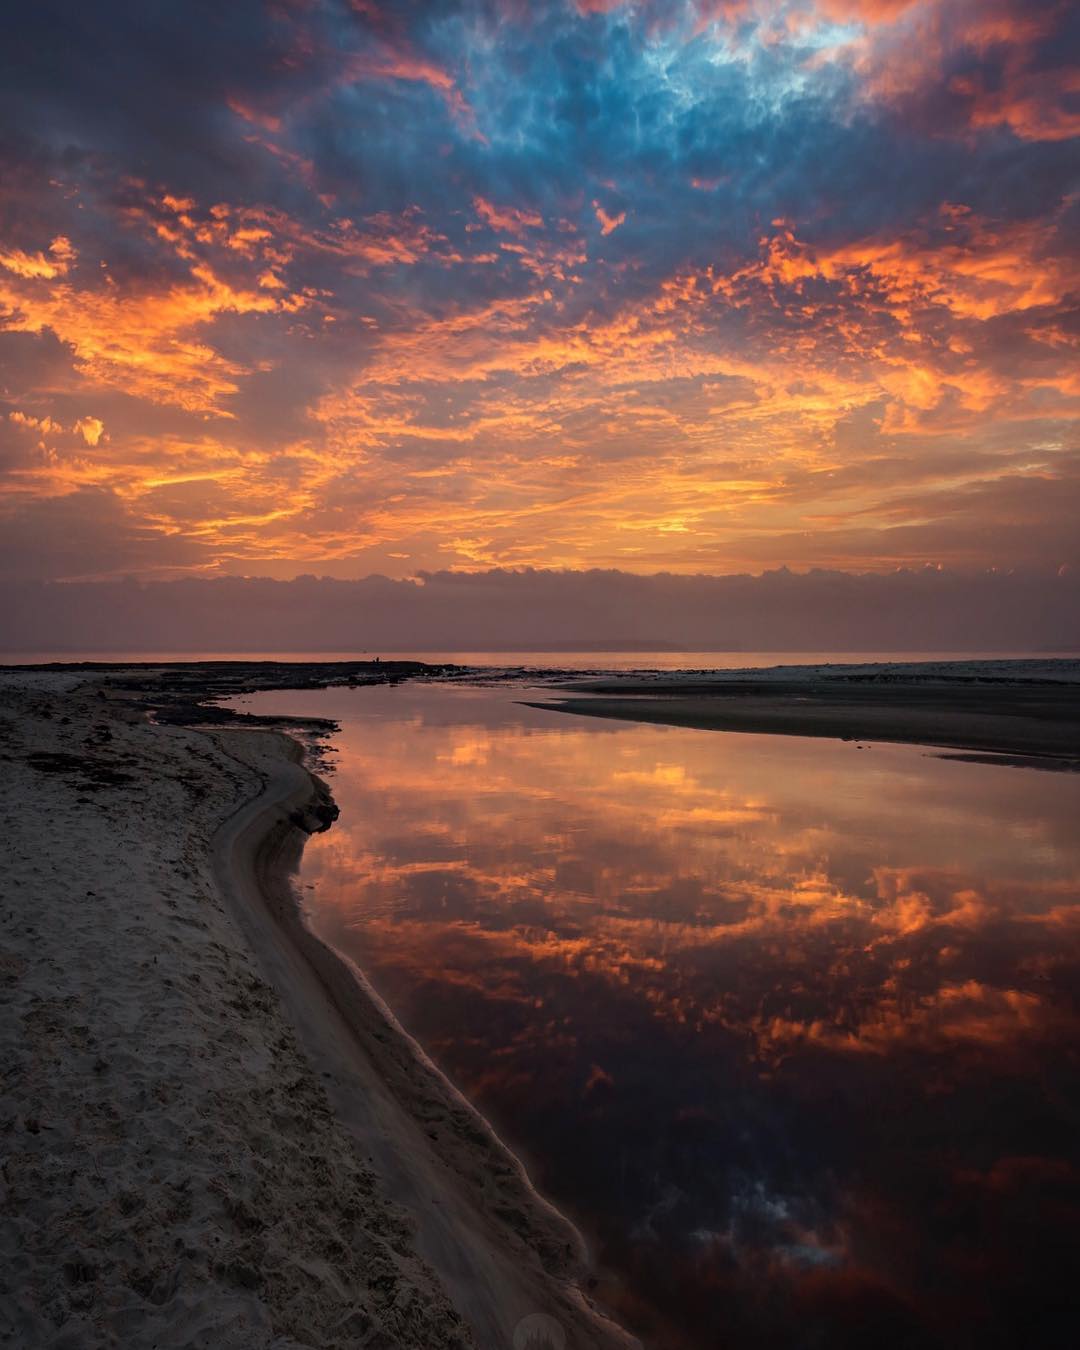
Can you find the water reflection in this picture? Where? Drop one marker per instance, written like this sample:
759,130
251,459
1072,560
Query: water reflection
789,1026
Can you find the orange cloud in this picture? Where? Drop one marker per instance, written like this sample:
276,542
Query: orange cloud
400,63
267,121
908,49
35,266
608,223
967,1013
866,11
27,420
146,342
90,429
513,220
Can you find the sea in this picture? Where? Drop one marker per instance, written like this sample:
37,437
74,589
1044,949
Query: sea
542,660
788,1026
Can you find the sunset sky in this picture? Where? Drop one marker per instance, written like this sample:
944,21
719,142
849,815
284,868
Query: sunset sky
705,286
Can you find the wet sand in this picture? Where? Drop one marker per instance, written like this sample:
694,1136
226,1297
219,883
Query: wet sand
991,710
214,1133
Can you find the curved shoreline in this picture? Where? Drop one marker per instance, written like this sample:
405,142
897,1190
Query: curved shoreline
501,1250
1035,724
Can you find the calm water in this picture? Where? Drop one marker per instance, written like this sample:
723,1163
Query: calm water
788,1026
570,660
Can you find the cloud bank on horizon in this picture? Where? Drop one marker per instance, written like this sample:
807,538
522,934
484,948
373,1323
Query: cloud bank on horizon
345,286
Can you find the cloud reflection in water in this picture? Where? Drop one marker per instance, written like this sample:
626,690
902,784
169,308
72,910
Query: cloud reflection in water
789,1026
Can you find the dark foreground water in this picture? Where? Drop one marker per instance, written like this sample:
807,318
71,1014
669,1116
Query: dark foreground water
788,1026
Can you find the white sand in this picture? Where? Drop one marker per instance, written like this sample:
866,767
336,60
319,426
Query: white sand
209,1134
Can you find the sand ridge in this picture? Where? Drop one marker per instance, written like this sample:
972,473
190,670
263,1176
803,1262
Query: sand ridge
502,1251
1006,712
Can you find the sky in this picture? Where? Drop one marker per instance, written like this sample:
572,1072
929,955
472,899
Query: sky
347,287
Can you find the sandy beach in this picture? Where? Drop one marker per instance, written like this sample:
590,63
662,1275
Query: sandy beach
214,1134
1022,711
